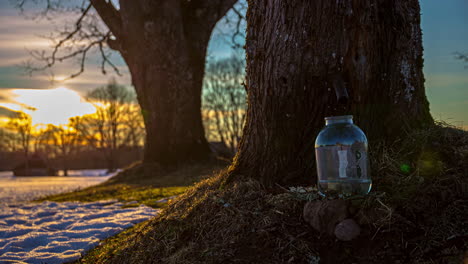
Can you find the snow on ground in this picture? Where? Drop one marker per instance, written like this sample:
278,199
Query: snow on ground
51,232
61,232
20,189
99,172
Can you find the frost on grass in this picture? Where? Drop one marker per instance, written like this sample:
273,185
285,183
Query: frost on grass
61,232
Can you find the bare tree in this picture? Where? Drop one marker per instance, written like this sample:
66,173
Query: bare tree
224,100
21,125
164,45
62,141
7,141
105,130
134,126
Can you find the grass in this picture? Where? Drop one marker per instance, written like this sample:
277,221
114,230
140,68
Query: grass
140,185
149,196
109,248
135,184
416,214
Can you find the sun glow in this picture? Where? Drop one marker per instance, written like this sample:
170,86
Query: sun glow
59,78
51,106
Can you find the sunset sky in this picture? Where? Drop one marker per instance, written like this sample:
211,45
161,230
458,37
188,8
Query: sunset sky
445,31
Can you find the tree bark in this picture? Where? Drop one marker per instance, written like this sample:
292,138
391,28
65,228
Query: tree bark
298,51
164,44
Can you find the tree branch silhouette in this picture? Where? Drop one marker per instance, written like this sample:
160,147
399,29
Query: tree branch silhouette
88,34
462,57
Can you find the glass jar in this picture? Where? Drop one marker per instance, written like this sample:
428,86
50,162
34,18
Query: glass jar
342,161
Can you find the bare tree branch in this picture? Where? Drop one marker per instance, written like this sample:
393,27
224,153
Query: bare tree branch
68,37
110,15
50,8
86,35
221,7
462,57
105,59
80,53
235,20
206,13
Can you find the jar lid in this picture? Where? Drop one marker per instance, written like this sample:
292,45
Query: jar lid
338,117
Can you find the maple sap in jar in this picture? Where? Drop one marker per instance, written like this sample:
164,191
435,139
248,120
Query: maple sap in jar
341,155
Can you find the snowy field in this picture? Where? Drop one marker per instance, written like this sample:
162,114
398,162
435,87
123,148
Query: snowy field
20,189
50,232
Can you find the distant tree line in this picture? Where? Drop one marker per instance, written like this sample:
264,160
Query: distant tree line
224,100
116,126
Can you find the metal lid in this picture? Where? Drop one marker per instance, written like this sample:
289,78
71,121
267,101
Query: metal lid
338,117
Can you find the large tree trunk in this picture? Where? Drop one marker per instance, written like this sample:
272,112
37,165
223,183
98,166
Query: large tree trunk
164,44
297,51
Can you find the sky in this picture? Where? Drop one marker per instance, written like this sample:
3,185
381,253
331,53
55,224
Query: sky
444,25
445,31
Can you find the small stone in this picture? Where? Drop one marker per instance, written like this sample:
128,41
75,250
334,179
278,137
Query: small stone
347,230
324,215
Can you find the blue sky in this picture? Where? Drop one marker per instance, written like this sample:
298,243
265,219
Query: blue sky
445,31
